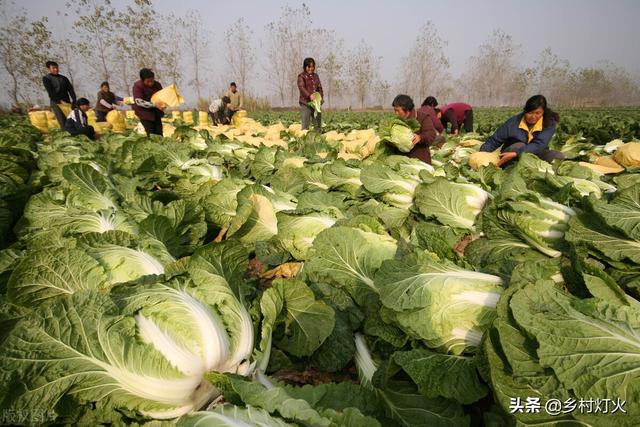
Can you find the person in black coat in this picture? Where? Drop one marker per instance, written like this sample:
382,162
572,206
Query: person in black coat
59,89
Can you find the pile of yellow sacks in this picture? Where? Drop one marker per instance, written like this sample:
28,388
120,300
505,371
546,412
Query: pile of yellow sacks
46,120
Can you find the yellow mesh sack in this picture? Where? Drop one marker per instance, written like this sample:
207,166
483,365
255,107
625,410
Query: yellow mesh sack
169,96
482,158
65,108
203,118
628,154
101,127
187,116
39,120
116,120
52,122
238,118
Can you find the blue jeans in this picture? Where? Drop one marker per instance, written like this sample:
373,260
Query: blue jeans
101,116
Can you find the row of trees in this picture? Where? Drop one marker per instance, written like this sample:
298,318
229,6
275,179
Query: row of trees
94,41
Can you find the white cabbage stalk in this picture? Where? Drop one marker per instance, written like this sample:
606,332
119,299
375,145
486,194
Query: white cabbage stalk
472,337
213,336
365,364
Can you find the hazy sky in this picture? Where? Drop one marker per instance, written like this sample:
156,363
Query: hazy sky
581,31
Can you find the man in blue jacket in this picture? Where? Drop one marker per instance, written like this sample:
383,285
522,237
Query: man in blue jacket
527,132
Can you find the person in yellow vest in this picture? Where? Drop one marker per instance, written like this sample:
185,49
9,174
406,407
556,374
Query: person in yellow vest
526,132
236,98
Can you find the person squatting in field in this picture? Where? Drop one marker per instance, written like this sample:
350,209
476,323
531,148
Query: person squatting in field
150,114
404,108
106,101
77,122
526,132
220,112
308,83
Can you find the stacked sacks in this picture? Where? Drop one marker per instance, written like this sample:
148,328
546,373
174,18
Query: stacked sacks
238,118
203,118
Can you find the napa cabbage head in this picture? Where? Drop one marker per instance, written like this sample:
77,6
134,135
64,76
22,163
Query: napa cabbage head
399,133
316,101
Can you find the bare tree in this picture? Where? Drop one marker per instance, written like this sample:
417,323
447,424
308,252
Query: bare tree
424,69
65,51
491,74
363,69
382,90
141,35
289,41
238,52
332,75
197,40
625,90
9,55
94,25
329,63
173,43
550,76
25,46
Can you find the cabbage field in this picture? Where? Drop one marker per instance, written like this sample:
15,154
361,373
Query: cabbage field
261,275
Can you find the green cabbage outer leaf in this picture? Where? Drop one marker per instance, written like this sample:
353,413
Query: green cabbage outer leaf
439,302
79,345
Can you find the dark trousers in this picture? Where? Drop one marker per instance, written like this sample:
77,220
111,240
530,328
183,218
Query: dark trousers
546,154
101,116
85,130
468,121
152,127
221,117
59,114
306,113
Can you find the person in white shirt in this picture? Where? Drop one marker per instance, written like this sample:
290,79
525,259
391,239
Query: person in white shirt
77,122
220,112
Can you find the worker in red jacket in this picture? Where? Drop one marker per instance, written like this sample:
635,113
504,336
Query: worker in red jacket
404,108
149,113
457,113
